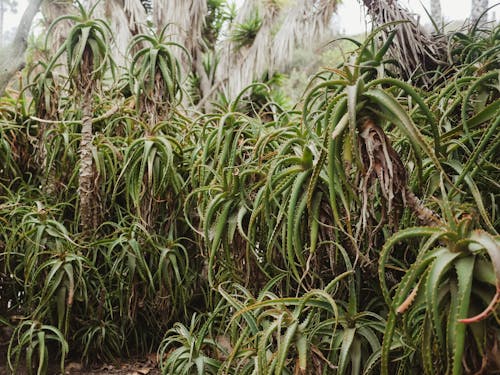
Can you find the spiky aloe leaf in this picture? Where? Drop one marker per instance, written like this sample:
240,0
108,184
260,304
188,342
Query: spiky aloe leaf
404,123
418,99
292,214
284,346
399,236
481,240
456,330
347,340
476,194
487,135
417,268
438,268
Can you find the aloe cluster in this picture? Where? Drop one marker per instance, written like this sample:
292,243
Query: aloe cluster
356,232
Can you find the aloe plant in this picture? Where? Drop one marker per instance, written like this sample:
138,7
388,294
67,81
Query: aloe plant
34,337
443,279
88,58
356,232
155,80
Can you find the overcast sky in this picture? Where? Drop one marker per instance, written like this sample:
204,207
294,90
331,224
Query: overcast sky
350,17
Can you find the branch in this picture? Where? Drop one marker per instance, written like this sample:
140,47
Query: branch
13,59
95,120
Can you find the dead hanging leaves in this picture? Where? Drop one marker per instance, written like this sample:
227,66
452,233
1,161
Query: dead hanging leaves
382,164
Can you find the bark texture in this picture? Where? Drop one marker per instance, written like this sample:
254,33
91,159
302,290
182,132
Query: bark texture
87,184
436,13
86,173
13,56
477,8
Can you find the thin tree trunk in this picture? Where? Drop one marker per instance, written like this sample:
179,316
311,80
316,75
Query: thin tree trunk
87,184
86,174
13,59
436,14
477,8
2,11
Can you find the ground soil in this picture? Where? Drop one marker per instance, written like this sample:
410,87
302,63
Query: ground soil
141,366
145,366
72,368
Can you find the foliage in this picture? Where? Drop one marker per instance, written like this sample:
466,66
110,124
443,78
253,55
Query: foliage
155,73
356,233
243,34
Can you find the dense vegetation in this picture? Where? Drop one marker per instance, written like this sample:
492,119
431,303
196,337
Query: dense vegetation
356,232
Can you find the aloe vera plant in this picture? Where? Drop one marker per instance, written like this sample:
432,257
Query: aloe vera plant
87,58
442,282
33,337
355,232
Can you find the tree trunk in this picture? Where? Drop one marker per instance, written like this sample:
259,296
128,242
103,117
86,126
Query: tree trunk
13,59
2,11
436,14
86,183
477,8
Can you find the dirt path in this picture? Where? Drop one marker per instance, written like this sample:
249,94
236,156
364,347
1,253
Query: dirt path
138,367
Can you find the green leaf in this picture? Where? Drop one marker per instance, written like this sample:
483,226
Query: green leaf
347,340
404,123
492,247
456,332
433,285
283,347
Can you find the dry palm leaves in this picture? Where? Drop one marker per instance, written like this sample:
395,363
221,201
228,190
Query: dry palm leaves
413,48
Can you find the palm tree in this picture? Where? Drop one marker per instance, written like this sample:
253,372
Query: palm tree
295,235
300,23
